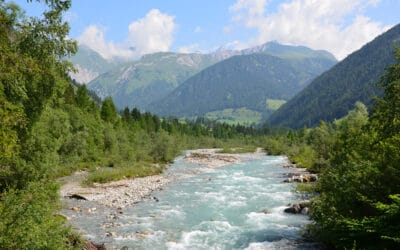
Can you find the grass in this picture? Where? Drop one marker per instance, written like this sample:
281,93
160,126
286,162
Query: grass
274,104
107,174
242,116
306,188
246,149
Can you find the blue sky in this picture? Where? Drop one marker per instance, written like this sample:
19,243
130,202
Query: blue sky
113,28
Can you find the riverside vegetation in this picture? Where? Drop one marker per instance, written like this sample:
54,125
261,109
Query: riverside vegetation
50,128
357,158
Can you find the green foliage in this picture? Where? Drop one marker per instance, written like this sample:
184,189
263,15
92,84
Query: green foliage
359,203
332,94
11,119
108,111
31,52
29,219
164,147
357,161
83,99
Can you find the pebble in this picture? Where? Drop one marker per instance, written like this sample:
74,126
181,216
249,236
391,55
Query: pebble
123,193
111,234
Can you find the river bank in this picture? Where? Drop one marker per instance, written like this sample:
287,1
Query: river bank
128,192
198,203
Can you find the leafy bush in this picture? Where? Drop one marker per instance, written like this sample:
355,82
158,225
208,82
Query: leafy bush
29,219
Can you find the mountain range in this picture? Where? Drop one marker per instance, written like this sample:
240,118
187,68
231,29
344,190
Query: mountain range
331,95
90,64
154,80
138,83
249,81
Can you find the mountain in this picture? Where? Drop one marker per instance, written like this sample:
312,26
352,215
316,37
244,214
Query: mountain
151,78
155,76
289,52
334,93
90,64
252,81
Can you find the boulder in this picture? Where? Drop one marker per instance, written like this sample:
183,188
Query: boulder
299,207
294,209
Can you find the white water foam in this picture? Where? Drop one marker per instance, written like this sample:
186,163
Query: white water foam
281,244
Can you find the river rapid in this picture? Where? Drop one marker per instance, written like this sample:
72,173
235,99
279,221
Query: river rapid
239,206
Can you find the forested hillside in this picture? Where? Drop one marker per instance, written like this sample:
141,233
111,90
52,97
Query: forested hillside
334,93
245,81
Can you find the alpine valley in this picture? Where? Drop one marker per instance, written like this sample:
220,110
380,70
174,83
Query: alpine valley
225,85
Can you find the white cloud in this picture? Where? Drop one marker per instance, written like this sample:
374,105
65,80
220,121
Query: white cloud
93,37
253,7
152,33
192,48
333,25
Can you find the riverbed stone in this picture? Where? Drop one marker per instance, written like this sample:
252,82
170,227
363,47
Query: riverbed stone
111,234
305,211
301,178
294,209
299,207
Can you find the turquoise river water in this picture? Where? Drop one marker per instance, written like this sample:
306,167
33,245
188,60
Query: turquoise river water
233,207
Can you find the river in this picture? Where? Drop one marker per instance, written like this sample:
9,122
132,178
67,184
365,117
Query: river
232,207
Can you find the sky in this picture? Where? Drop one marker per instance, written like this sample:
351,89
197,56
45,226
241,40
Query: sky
132,28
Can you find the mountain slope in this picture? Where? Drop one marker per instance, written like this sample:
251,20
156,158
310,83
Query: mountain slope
155,76
149,79
241,81
335,92
288,51
90,64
